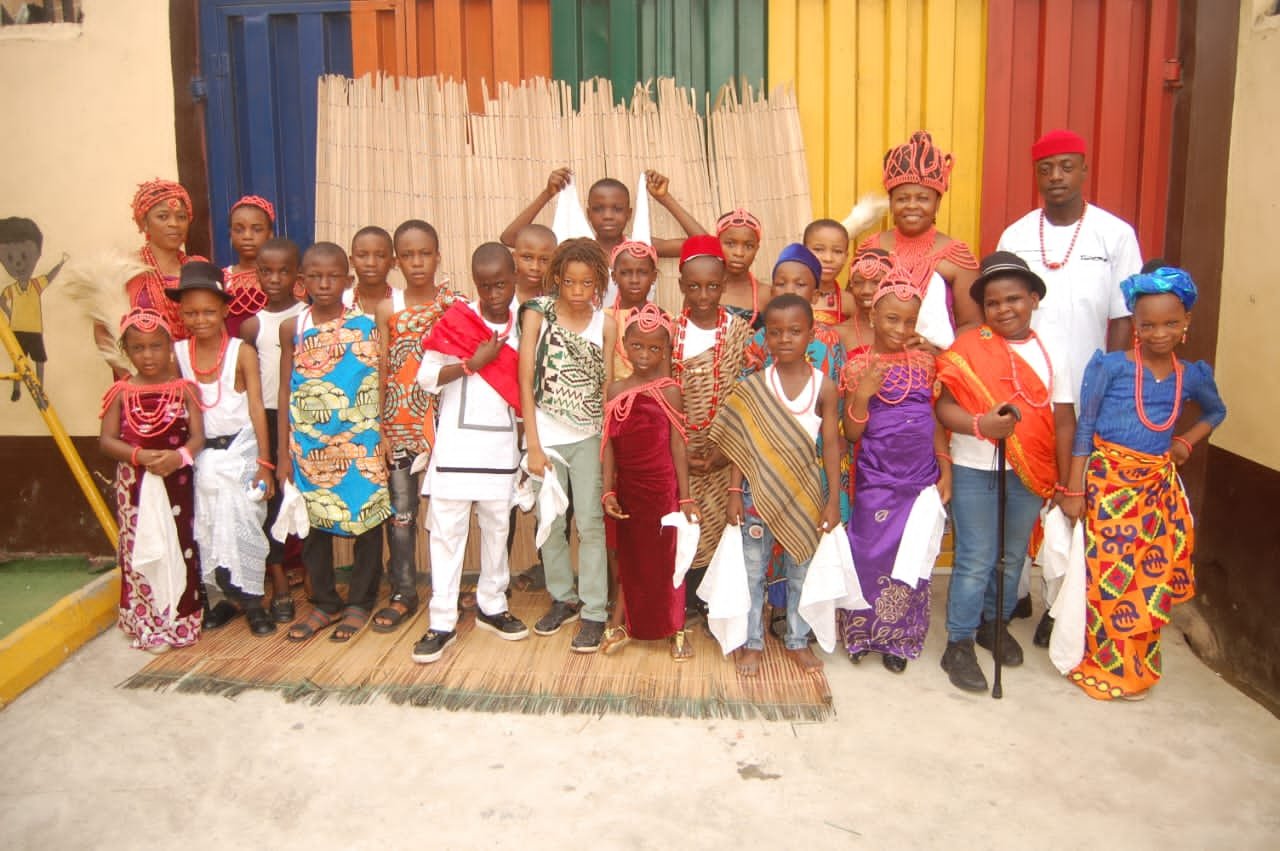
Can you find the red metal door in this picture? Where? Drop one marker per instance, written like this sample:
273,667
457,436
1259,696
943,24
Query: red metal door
1098,67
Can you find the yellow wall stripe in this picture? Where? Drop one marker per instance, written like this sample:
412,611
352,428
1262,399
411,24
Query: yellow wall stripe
871,72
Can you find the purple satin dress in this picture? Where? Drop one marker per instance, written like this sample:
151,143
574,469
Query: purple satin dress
895,463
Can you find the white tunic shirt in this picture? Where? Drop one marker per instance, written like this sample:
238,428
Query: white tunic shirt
476,452
1084,295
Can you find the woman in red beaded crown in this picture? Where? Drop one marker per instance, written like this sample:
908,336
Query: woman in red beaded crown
151,427
916,175
162,212
252,223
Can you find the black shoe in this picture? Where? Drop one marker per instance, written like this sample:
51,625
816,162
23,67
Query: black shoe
16,392
856,658
961,665
894,663
1010,649
1023,609
220,615
432,645
557,616
282,610
260,622
589,636
1044,631
505,624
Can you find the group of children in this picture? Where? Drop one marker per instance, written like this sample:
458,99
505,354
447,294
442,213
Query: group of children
780,411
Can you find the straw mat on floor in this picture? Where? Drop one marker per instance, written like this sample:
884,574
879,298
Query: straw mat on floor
482,672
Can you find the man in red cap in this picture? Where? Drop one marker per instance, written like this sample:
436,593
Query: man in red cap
1082,253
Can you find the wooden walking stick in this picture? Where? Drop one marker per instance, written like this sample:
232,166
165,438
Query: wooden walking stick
1002,502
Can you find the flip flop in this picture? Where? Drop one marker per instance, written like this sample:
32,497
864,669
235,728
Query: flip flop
353,620
394,616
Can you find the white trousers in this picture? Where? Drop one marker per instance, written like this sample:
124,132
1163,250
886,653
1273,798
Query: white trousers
449,521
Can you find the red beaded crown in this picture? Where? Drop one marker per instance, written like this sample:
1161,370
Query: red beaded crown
918,161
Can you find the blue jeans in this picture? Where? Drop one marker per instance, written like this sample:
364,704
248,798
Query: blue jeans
402,529
974,512
757,547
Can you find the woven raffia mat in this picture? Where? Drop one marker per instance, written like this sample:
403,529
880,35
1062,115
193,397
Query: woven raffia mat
390,149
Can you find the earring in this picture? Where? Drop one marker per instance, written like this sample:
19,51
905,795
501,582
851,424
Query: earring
1184,335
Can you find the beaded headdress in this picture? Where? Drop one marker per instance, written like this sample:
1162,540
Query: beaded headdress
635,248
918,161
871,264
144,319
739,218
256,201
649,318
155,192
900,283
1166,279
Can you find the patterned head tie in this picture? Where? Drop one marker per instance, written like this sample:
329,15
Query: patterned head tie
144,319
155,192
256,201
739,218
648,319
918,161
900,283
635,248
871,264
1166,279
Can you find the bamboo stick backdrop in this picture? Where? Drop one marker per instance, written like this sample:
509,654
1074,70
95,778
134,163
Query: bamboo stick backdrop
390,149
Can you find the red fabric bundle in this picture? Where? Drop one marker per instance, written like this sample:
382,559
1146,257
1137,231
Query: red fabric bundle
459,332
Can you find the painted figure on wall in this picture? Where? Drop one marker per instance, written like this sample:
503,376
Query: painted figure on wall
20,245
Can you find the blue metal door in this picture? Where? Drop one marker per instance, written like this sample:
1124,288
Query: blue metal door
261,61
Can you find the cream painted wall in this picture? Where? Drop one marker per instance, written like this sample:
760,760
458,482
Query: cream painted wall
89,116
1248,358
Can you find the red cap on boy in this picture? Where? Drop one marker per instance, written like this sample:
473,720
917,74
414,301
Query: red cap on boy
1057,142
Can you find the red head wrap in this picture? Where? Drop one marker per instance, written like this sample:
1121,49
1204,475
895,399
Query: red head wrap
918,161
158,191
900,283
145,320
871,264
1057,142
739,218
636,249
702,245
256,201
649,318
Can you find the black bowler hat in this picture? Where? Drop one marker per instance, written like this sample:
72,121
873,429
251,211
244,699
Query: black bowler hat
1005,264
198,275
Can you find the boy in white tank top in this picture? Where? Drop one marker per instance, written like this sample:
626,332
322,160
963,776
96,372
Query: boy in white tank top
769,428
233,478
278,262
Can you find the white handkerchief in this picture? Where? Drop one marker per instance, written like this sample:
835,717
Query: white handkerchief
552,499
157,552
725,590
686,543
830,583
921,538
934,322
640,227
1066,645
292,519
420,462
569,221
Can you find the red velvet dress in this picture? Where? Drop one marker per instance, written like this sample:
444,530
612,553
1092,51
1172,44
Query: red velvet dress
645,482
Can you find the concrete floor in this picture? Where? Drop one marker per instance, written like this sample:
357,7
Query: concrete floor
909,762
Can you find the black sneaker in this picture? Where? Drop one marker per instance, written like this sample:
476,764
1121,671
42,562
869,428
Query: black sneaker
961,665
1044,631
589,636
506,625
432,646
1010,649
557,616
260,622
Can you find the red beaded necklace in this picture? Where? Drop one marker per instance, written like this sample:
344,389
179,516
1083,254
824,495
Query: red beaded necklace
1050,264
619,408
910,249
775,384
150,421
677,358
1018,390
908,377
215,371
1137,392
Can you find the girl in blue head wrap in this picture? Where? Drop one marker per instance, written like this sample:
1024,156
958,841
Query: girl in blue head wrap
1123,483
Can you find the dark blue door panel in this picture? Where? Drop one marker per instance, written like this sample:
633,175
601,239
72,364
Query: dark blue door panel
261,61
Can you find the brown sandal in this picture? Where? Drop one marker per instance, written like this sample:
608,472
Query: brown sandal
396,612
305,629
615,638
681,647
353,620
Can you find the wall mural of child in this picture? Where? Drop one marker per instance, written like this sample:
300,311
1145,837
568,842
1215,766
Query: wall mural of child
20,245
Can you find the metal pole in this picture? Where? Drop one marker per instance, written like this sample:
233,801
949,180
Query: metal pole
27,374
